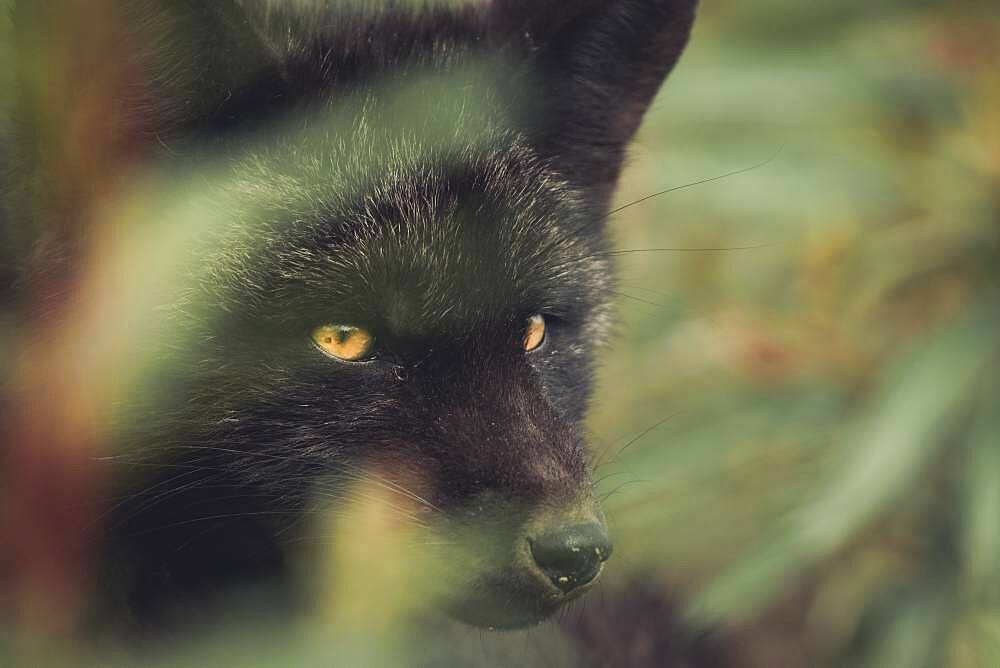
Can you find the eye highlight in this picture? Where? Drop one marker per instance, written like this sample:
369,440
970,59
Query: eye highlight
344,342
534,333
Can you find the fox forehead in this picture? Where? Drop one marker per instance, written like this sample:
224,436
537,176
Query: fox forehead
446,250
423,204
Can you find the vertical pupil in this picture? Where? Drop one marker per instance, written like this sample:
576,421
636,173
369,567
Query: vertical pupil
343,335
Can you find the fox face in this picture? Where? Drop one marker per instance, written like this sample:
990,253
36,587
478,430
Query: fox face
406,273
448,346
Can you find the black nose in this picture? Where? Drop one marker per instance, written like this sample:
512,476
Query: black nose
571,556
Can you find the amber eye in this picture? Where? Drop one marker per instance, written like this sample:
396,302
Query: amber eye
344,342
534,334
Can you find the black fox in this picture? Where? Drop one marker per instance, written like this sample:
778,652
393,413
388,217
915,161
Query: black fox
405,270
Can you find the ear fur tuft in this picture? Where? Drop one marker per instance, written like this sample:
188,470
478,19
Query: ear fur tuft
600,64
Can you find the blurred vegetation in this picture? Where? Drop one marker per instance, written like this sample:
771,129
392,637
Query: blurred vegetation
798,428
825,478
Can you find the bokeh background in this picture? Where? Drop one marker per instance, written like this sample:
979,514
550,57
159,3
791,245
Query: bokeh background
798,425
827,471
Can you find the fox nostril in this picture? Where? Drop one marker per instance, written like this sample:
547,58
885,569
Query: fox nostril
571,556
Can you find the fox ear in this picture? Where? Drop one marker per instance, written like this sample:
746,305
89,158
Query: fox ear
599,64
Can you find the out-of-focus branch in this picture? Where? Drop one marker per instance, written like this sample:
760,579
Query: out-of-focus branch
74,142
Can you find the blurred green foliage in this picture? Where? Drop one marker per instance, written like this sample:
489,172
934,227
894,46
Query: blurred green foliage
829,456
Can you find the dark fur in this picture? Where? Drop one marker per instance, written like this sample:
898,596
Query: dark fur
440,222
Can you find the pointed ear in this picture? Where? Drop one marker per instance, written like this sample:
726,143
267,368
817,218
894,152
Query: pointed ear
599,64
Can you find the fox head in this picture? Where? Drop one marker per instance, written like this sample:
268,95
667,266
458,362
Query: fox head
405,271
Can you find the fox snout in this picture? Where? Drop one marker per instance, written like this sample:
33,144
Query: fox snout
513,482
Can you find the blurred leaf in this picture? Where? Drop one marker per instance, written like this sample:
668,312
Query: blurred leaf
905,430
977,641
913,638
981,507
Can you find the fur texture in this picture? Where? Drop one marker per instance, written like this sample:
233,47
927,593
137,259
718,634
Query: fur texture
434,175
